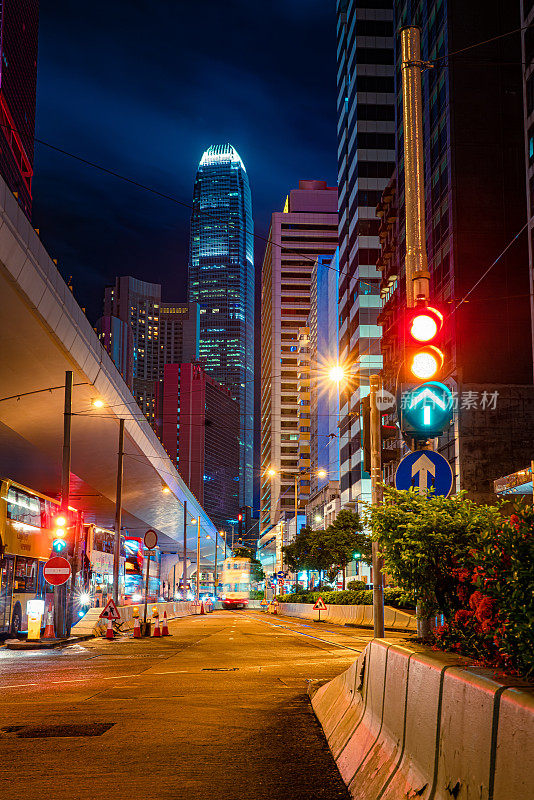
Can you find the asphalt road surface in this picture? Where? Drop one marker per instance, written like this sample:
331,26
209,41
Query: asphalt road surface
217,711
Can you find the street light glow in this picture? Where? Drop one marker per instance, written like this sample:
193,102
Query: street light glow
165,490
336,374
322,473
97,403
271,472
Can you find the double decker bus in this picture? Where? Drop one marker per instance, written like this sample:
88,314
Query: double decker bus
236,581
95,579
26,533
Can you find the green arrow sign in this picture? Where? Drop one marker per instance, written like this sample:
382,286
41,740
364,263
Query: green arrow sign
426,410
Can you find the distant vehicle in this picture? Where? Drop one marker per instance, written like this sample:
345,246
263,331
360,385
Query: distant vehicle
236,581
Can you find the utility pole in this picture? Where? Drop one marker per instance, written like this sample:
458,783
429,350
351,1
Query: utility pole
184,568
198,560
60,592
118,514
375,382
416,264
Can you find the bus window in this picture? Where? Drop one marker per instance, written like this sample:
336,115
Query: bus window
22,507
25,575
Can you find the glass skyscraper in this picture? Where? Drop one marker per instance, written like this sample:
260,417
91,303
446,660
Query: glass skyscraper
221,280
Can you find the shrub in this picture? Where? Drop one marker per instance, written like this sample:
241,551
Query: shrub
356,586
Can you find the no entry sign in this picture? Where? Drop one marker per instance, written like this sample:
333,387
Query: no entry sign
57,571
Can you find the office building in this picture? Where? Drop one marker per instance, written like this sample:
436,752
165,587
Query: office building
324,392
163,333
366,155
475,211
221,281
527,52
197,421
304,230
18,80
117,339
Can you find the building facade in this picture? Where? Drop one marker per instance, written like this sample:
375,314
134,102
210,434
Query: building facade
117,339
304,230
475,212
197,421
366,156
19,24
324,392
163,333
527,52
221,281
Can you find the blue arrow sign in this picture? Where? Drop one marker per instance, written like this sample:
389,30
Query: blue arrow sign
281,574
427,409
425,470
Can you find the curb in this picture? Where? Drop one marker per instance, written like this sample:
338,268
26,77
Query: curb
46,644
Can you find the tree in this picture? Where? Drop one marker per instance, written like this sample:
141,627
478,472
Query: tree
336,546
298,554
423,539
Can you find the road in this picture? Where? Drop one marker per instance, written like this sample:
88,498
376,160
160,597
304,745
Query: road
217,711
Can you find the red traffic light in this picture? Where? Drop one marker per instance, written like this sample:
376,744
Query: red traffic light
425,360
240,517
425,324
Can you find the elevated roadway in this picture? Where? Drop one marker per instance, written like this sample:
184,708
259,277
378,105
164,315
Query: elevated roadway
44,333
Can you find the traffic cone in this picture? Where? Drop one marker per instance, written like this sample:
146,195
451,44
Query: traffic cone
164,626
157,631
49,632
202,608
137,628
109,631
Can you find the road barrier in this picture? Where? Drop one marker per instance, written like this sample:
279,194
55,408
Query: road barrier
91,622
403,724
351,615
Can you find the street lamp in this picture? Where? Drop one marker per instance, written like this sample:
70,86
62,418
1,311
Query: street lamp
198,556
336,373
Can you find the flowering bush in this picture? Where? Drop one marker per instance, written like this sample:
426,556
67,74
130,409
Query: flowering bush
495,591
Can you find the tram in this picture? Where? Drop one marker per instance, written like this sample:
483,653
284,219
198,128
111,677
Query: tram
236,579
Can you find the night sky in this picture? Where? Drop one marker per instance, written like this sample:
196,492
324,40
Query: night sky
143,89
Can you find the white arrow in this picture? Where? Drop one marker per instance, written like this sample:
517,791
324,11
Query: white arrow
428,394
423,466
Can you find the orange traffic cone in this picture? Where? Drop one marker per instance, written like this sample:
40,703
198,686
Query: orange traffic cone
164,626
157,631
202,608
49,632
137,628
109,631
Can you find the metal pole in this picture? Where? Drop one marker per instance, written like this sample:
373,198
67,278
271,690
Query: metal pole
60,592
232,537
118,514
198,559
173,582
416,265
215,573
375,382
184,568
146,591
225,537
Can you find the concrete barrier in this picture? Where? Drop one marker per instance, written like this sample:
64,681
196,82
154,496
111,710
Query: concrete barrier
91,622
351,615
407,724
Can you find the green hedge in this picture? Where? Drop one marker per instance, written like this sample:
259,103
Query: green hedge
394,597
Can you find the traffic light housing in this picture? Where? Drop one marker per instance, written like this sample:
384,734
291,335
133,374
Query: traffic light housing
59,541
389,432
424,358
240,525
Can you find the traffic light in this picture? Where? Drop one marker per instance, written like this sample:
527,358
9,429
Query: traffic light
424,357
389,436
59,542
240,525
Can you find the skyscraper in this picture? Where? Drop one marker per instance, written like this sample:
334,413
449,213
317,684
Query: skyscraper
163,333
304,230
19,22
366,160
221,280
197,422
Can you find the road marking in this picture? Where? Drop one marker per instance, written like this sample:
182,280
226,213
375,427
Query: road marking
301,633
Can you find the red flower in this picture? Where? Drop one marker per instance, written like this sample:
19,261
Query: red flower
514,519
484,609
475,599
463,616
463,593
463,575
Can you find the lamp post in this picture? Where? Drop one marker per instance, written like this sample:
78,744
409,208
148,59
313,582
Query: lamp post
197,591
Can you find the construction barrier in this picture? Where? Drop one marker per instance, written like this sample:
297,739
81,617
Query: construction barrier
402,723
91,622
351,615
